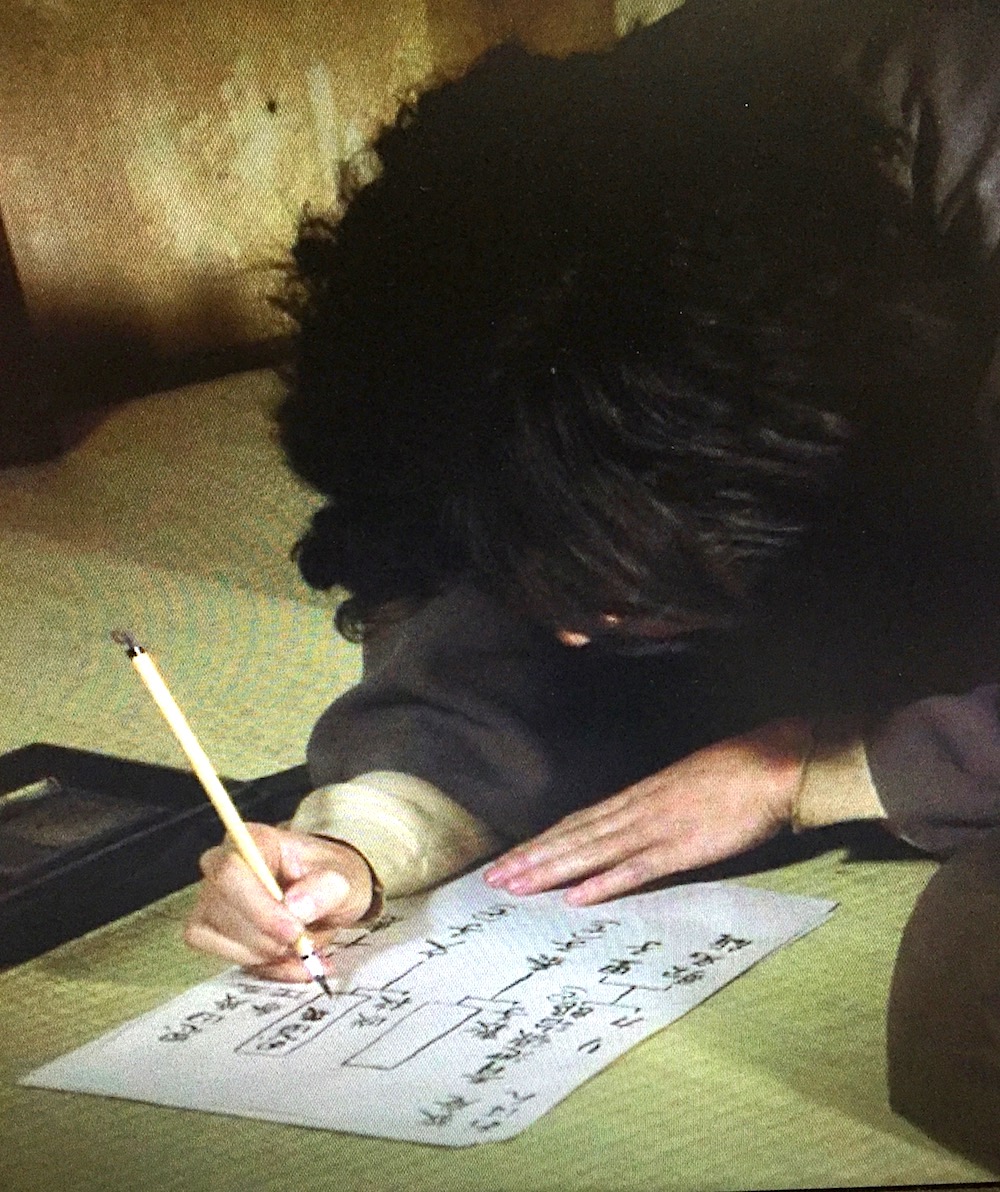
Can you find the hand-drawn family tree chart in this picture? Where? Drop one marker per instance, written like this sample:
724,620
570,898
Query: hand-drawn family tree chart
459,1017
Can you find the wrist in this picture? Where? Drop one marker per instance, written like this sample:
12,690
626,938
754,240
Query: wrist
781,750
837,785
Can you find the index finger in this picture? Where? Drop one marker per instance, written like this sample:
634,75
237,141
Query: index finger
570,835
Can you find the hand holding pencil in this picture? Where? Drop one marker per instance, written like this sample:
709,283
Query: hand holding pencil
326,885
264,885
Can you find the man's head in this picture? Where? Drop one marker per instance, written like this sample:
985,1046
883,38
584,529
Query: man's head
571,382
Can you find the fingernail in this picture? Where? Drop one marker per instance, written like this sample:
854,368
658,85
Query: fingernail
507,867
335,887
302,907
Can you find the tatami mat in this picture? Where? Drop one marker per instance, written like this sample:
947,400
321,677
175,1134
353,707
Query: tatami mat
174,520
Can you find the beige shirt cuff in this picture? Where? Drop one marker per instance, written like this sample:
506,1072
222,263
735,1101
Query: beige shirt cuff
411,834
836,787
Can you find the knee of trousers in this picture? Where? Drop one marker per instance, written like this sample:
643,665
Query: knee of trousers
943,1028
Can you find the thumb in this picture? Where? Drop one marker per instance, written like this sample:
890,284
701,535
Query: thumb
317,895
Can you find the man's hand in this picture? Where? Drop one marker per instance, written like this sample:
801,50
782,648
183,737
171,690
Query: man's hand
714,804
327,885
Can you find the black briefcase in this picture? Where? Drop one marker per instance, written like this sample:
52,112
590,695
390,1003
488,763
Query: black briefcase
86,838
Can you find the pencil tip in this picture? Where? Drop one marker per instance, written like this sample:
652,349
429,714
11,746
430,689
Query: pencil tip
314,965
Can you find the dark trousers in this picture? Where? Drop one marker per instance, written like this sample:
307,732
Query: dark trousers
944,1007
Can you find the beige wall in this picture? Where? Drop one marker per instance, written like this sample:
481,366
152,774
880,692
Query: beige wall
154,156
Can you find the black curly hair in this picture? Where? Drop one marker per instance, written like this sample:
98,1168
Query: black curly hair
534,354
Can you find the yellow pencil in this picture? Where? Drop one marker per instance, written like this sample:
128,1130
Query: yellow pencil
221,801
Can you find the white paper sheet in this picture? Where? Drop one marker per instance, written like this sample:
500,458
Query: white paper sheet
459,1018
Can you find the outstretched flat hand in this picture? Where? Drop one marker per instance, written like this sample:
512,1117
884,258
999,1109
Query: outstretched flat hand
714,804
327,885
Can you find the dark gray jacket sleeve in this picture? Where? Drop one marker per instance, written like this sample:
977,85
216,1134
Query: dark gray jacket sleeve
500,717
936,767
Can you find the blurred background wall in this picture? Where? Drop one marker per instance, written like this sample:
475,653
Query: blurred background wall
154,159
